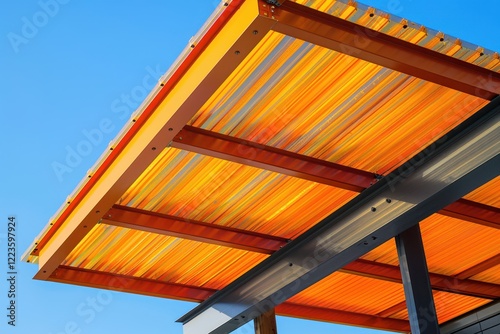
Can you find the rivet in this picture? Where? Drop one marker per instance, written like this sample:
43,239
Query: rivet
44,271
441,39
374,209
255,32
290,264
405,26
374,238
388,200
180,138
481,54
170,129
372,15
192,46
111,149
84,226
97,211
153,148
236,52
162,84
226,4
365,243
89,176
133,120
68,202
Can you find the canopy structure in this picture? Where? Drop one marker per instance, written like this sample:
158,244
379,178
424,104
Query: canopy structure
320,159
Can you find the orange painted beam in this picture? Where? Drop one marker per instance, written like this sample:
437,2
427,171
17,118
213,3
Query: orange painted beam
277,160
322,29
343,317
438,282
480,267
194,230
123,283
473,212
130,284
257,242
269,158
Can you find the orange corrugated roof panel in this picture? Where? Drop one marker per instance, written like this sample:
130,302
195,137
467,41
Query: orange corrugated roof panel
248,82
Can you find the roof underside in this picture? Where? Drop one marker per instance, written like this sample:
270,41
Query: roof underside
259,132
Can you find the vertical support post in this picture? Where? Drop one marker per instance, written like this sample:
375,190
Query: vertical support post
417,286
266,323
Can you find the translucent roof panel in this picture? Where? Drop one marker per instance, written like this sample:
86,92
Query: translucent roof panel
307,99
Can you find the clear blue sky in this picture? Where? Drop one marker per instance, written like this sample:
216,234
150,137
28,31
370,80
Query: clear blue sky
63,78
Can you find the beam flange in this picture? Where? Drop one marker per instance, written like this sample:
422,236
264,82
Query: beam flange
454,165
416,283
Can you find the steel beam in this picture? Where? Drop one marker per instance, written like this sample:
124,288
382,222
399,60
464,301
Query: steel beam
480,267
454,165
131,284
124,283
249,153
438,282
416,283
337,34
473,212
189,229
269,158
148,221
342,317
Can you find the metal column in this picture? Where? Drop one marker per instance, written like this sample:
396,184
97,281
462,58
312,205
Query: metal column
417,286
266,323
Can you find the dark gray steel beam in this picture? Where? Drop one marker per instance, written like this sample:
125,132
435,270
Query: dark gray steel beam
416,282
454,165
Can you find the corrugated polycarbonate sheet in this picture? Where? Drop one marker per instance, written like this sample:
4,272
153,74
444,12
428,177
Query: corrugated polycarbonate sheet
124,251
211,190
444,240
408,31
310,100
491,275
488,194
351,293
449,306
